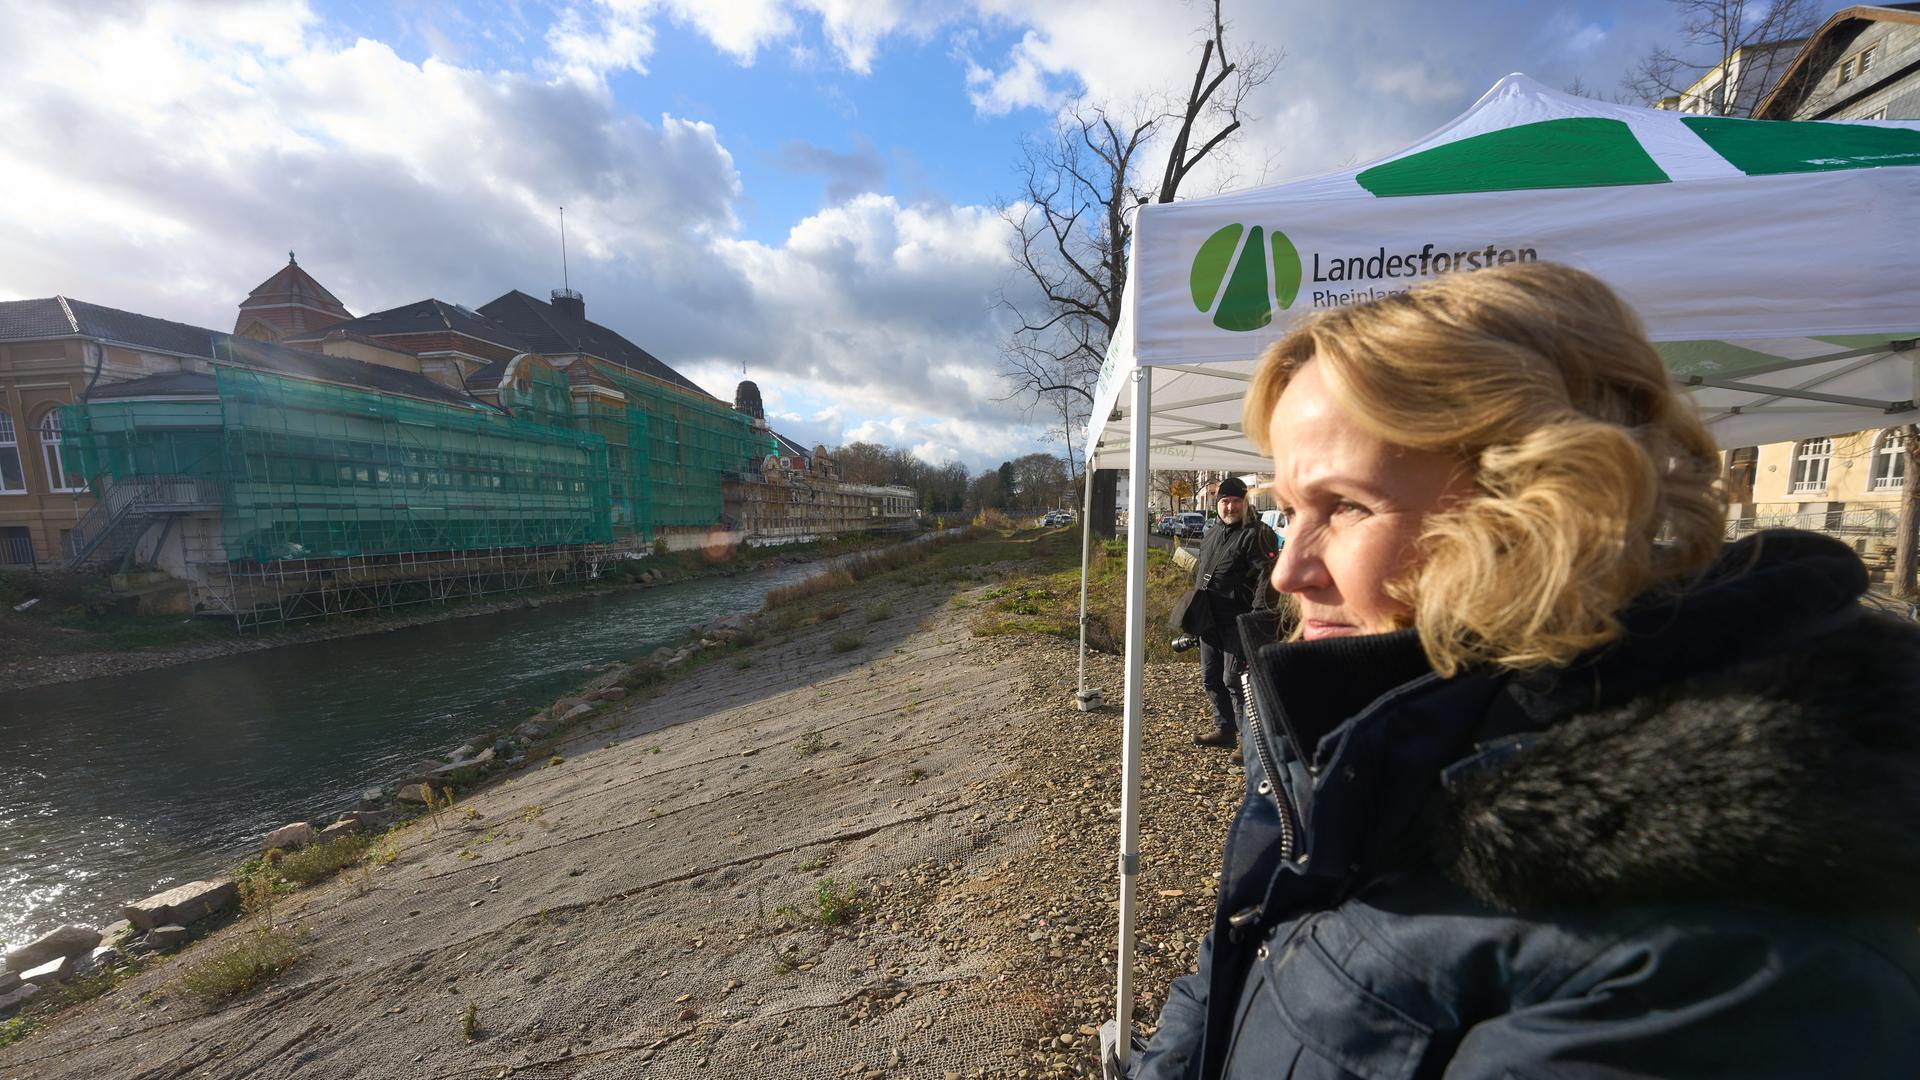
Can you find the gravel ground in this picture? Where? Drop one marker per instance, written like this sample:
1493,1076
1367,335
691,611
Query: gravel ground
895,859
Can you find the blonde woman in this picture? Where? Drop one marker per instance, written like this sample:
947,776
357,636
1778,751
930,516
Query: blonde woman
1545,780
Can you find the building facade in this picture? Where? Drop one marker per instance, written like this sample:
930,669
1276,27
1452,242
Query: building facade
314,462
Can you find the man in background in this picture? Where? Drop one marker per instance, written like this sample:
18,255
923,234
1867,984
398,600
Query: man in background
1236,557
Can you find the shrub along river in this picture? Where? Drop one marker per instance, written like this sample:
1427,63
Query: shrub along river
112,789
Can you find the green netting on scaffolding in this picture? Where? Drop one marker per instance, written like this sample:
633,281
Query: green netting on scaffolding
624,426
538,392
119,439
688,444
319,470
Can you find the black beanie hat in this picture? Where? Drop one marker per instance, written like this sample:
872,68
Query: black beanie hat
1232,487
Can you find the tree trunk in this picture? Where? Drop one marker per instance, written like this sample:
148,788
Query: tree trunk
1908,531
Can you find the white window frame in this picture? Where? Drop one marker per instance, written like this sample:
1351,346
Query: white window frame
1846,71
1877,114
1866,59
53,456
10,444
1889,461
1808,454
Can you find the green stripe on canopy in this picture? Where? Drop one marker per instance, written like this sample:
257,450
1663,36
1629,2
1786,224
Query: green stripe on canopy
1576,151
1767,147
1711,357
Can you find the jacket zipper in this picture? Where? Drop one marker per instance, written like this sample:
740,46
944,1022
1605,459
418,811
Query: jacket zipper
1270,767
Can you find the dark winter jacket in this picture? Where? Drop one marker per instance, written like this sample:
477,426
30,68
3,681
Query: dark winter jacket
1233,565
1692,854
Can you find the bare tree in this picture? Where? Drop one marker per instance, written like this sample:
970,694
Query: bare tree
1072,219
1711,33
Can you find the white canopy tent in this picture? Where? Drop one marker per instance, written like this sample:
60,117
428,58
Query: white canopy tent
1774,263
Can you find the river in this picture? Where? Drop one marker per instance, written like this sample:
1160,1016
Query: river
112,789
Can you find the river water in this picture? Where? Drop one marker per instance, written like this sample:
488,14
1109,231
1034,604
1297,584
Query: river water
112,789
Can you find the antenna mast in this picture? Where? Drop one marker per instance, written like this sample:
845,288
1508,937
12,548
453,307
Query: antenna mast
564,281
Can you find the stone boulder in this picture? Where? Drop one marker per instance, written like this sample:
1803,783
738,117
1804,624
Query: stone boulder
167,937
57,970
415,793
575,713
185,904
66,941
613,693
9,981
17,997
116,935
289,837
365,819
343,827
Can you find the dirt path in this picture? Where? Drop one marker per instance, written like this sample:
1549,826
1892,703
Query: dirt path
653,904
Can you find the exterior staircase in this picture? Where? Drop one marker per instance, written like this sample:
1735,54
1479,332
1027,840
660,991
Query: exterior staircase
123,510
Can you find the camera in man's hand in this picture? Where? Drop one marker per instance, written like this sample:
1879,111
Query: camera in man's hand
1184,642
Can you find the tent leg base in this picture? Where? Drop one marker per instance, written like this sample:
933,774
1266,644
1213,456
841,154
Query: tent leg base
1087,700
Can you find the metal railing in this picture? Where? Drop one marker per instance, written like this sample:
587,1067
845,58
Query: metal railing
17,551
116,500
1868,523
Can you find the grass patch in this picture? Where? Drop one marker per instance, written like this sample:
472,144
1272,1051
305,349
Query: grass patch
810,744
257,956
846,642
318,862
879,613
12,1031
742,663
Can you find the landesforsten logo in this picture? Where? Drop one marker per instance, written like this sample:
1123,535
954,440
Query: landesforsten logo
1230,279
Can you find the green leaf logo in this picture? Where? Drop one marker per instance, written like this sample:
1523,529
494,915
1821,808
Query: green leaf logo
1231,272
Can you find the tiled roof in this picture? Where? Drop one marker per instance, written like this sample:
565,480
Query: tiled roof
292,284
427,317
125,327
341,370
168,384
25,320
789,448
551,331
487,377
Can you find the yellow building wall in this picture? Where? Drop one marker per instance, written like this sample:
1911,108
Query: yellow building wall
1848,479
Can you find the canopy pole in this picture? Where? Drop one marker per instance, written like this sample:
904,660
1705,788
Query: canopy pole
1135,705
1084,699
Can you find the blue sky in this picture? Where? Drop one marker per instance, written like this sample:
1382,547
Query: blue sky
810,188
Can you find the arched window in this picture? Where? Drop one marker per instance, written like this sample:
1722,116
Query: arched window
1889,461
13,479
1810,461
59,477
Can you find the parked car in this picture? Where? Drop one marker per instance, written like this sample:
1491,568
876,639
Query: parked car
1163,525
1191,525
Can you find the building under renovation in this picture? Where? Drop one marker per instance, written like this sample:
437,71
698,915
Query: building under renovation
313,462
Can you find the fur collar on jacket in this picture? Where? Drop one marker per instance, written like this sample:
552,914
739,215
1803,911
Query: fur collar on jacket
1756,738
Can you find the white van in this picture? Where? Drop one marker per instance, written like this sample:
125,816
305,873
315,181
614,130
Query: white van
1277,521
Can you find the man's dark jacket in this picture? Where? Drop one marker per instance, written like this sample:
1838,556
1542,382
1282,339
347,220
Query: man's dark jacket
1691,854
1232,567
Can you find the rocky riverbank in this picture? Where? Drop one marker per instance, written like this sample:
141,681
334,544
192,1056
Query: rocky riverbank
23,670
870,844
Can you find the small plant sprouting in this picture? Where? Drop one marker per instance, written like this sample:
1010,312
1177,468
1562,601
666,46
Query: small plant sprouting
468,813
470,1022
555,760
836,907
742,663
915,775
846,642
810,744
879,613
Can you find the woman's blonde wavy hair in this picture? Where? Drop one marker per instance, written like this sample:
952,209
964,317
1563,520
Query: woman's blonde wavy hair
1542,380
